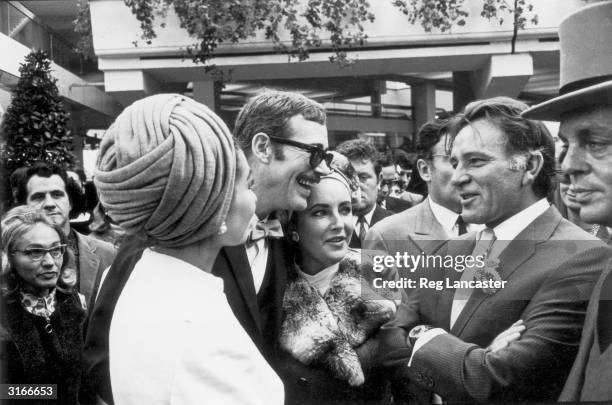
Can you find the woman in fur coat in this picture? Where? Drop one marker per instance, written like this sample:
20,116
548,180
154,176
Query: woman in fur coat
42,318
331,315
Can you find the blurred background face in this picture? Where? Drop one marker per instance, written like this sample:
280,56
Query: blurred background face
38,275
388,179
404,176
325,226
368,183
241,215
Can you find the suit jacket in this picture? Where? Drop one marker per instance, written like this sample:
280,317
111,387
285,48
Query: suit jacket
550,269
396,205
95,353
95,256
413,231
259,314
591,374
379,214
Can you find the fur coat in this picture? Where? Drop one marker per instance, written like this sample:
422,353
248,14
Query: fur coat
327,329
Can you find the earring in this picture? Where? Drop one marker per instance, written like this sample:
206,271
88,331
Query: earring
295,236
222,228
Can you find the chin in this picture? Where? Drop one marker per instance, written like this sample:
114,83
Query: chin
593,215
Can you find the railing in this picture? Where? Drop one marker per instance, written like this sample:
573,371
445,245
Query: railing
27,31
365,109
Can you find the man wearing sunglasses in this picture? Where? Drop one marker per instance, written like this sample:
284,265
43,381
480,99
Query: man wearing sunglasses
284,138
47,187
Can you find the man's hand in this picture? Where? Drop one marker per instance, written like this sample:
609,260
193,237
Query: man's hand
509,335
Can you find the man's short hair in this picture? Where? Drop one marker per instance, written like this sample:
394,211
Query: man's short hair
358,149
523,135
429,135
269,112
402,159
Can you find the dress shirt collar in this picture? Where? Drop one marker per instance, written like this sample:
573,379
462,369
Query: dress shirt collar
511,227
445,217
367,216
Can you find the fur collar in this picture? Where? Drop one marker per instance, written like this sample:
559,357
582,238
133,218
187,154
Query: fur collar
327,329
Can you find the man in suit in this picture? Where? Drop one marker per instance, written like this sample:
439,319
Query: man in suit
584,110
284,138
365,160
535,267
47,187
424,227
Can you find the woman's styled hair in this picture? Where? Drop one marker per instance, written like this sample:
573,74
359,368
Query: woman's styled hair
15,224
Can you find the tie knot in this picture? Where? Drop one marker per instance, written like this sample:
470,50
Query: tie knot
487,234
361,219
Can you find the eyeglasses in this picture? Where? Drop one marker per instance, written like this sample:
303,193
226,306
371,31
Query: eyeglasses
446,157
317,153
37,254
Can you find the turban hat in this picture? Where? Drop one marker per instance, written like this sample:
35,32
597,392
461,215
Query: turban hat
166,170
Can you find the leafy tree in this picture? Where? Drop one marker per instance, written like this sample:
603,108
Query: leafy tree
35,124
213,22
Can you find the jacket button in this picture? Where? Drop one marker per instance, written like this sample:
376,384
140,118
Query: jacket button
303,381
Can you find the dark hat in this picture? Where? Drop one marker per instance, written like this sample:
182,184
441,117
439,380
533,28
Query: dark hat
586,63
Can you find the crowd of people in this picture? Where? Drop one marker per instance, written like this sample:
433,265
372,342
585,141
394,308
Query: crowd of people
235,267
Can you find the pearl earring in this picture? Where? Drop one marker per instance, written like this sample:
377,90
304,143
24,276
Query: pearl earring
222,228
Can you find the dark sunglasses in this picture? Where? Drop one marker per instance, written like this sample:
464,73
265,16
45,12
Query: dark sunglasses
37,254
317,153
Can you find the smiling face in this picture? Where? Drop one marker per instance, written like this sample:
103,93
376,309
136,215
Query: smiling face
587,135
286,182
48,194
325,226
490,190
39,276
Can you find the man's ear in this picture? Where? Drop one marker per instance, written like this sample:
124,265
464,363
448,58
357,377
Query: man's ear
424,170
261,147
535,163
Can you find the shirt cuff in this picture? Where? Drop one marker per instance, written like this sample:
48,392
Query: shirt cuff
423,339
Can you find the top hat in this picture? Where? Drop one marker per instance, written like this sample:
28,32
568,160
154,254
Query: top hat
586,63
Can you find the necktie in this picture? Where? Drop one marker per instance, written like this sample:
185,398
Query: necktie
362,231
270,228
462,228
486,237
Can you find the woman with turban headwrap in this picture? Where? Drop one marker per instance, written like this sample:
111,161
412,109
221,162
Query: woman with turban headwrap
168,172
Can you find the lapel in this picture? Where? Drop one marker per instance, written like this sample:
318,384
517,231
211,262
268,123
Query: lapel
88,265
273,289
516,253
431,233
379,213
238,269
604,314
457,246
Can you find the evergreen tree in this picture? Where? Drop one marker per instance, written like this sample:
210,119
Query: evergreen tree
35,124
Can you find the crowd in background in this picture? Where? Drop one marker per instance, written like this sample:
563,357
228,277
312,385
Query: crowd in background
234,267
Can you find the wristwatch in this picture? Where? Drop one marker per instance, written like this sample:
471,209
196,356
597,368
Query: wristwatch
417,332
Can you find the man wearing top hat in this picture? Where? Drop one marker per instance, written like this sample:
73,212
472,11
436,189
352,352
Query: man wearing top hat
584,109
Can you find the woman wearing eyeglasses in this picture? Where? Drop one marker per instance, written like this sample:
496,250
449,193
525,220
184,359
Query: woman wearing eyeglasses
42,315
330,316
